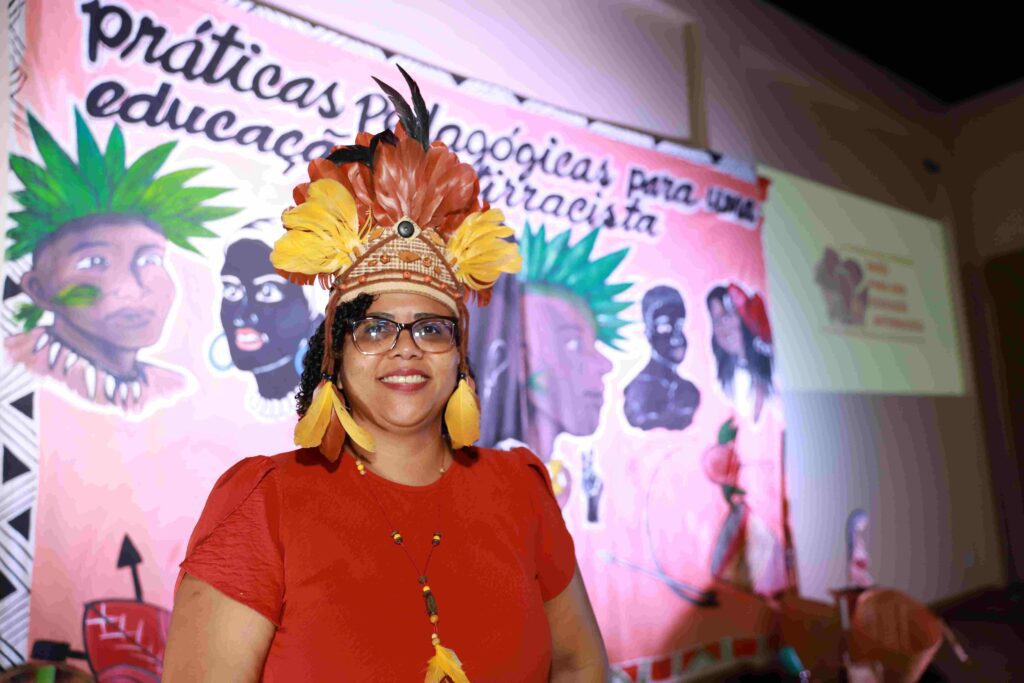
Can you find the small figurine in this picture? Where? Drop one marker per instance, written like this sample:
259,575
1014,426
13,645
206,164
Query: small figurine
858,562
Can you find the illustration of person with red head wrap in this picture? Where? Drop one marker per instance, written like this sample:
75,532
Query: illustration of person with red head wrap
97,232
741,341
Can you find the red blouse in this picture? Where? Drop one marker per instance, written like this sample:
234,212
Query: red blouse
303,543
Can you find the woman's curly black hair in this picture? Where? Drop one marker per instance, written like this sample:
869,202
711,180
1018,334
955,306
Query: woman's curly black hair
311,364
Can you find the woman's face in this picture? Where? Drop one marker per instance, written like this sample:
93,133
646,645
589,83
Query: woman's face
726,328
404,389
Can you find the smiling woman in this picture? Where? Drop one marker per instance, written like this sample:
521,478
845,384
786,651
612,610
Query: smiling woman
386,532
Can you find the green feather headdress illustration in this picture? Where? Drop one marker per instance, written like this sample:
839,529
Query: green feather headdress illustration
556,267
61,190
101,183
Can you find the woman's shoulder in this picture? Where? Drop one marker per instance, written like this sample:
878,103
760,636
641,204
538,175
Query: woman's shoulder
521,469
507,454
237,483
245,474
301,467
242,477
513,462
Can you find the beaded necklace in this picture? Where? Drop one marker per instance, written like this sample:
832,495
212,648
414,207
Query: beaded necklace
445,664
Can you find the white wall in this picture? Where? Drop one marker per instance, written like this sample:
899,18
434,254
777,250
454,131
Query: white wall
587,56
989,149
783,95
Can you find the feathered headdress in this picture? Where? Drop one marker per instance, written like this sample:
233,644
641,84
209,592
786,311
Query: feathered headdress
392,213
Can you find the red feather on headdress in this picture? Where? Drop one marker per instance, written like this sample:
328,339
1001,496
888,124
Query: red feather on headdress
431,187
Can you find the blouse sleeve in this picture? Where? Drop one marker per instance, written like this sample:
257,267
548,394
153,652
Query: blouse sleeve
235,546
555,552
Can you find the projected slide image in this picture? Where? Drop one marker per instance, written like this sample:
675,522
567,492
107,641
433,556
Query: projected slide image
867,293
862,293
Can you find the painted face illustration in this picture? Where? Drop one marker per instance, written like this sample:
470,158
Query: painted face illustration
726,326
665,332
121,260
566,371
265,317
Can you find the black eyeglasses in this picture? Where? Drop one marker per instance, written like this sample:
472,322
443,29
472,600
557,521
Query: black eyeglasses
373,336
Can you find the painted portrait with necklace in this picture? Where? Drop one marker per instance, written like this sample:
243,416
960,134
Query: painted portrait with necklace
659,397
99,282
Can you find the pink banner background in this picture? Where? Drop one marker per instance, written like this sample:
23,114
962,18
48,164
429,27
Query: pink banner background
103,474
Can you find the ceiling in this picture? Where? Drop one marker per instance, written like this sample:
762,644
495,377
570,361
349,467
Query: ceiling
952,55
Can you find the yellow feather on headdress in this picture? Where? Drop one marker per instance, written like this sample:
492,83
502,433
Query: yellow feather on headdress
480,250
323,233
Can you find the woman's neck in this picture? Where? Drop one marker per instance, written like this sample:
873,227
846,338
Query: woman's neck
415,459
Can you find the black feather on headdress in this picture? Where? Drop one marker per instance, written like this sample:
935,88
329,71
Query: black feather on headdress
416,122
420,109
361,153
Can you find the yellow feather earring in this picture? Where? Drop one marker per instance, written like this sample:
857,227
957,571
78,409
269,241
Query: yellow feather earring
359,436
309,432
327,421
462,415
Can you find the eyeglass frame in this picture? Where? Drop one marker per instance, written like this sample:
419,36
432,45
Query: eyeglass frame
401,327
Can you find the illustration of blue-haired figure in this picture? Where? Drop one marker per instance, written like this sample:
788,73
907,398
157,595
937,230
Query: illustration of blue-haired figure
554,374
265,321
98,285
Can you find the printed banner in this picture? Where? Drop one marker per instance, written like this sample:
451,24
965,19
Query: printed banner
149,345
